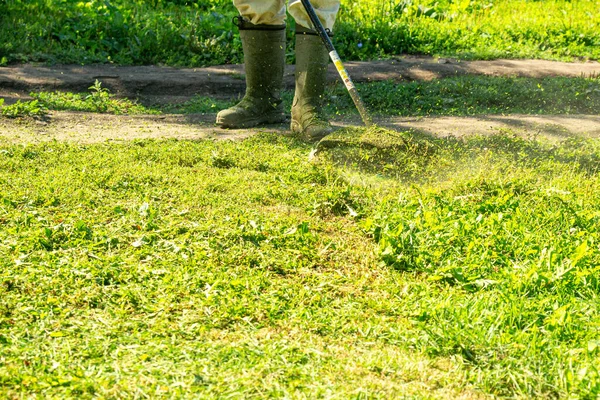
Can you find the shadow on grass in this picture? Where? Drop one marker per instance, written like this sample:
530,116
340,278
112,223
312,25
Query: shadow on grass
417,155
558,126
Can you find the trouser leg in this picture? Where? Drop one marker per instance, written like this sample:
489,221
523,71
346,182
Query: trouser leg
258,12
326,11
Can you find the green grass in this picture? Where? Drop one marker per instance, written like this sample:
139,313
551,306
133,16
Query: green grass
98,100
397,265
205,104
473,95
467,95
551,29
20,109
186,33
459,96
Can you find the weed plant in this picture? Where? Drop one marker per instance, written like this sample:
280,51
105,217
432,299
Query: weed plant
98,100
400,263
185,33
25,109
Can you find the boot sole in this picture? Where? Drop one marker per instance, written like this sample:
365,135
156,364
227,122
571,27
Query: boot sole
250,123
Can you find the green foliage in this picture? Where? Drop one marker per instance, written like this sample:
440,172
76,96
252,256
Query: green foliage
187,33
519,242
20,109
121,31
199,104
470,29
99,100
198,268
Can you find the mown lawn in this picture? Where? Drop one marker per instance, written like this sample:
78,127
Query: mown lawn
397,265
200,33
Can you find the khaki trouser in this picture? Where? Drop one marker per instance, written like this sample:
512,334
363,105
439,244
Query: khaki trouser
272,12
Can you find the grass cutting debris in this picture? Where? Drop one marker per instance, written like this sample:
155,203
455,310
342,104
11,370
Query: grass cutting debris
450,252
435,268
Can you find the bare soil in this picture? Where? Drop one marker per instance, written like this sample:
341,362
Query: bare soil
156,84
81,127
94,128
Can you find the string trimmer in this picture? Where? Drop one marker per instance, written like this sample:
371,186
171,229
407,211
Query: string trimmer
333,54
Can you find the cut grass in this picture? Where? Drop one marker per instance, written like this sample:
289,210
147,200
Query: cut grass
219,269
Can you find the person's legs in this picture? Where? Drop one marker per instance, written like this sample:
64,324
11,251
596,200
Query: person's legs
262,31
308,120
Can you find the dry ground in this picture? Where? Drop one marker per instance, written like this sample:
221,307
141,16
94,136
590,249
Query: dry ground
90,128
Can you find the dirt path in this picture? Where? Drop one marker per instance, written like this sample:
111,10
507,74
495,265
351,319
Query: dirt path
553,127
94,128
166,84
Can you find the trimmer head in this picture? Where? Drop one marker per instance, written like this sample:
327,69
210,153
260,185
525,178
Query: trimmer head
377,151
373,136
371,139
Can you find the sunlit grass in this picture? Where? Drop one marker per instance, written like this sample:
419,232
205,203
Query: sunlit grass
472,29
201,33
396,264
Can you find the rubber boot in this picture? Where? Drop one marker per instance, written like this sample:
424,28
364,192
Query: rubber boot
264,59
308,119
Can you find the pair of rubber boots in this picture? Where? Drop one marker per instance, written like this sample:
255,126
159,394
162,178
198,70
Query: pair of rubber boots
264,58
